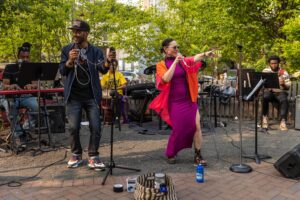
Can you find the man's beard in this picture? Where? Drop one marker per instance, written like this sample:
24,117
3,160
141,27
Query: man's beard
275,69
78,40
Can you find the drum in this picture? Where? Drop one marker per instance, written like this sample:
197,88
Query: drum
106,110
106,94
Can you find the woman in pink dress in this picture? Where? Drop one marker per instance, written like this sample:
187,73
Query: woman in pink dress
176,78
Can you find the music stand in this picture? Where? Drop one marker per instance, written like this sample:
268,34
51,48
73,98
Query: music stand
260,80
38,71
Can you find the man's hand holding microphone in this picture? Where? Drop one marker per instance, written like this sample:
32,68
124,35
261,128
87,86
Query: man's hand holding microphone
73,55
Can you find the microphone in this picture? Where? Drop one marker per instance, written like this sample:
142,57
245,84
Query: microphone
76,45
19,62
114,63
182,59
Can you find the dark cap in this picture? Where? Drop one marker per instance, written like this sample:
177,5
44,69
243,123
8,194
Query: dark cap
80,25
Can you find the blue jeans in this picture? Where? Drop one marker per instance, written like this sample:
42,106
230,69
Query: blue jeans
4,103
26,101
74,112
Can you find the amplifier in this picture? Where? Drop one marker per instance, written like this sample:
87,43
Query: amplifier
297,112
289,164
56,118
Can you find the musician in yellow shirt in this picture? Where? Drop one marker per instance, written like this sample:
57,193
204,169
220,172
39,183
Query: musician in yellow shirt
107,81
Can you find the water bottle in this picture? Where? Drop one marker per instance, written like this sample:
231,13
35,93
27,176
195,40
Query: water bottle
200,174
159,179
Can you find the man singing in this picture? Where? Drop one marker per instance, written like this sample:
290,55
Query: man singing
280,95
81,63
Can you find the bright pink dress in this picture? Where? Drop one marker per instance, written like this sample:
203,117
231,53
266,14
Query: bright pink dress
182,112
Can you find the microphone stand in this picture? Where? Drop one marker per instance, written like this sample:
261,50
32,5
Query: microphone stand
40,150
240,167
114,95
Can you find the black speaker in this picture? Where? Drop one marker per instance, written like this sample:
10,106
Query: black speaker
289,164
56,118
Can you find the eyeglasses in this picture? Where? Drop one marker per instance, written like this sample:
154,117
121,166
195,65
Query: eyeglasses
175,47
24,49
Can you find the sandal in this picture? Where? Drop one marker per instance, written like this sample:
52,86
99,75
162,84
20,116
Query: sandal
198,159
171,160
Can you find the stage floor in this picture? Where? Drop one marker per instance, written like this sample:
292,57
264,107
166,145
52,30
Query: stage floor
143,148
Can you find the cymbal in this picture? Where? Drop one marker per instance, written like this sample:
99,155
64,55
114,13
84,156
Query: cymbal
150,70
296,75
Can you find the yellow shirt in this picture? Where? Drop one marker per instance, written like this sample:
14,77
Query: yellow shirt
107,81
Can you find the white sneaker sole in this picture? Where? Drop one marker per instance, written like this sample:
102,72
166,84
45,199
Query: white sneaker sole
102,168
75,165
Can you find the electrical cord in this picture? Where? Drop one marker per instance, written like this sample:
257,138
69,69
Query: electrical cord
83,56
85,72
17,183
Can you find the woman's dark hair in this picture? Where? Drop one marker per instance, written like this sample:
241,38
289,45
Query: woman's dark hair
273,58
24,48
165,43
112,49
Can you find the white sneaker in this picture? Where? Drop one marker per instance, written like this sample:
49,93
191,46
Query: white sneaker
95,163
283,126
75,161
265,123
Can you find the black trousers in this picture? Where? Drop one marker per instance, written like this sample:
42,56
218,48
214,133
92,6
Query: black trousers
279,97
74,112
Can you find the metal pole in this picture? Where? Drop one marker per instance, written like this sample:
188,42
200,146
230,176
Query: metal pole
240,168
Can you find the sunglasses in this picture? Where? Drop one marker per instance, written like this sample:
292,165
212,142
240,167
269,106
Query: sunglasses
25,49
175,47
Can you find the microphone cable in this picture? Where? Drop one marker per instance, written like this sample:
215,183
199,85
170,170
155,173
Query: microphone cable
77,64
85,72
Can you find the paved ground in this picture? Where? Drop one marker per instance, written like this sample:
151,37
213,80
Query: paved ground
143,148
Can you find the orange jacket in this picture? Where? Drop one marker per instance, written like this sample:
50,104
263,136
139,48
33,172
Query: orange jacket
160,103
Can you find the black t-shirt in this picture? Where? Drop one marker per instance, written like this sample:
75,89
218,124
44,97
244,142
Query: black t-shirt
11,72
82,90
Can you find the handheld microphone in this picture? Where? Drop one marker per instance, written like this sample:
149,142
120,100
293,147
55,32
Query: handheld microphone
76,45
182,59
180,54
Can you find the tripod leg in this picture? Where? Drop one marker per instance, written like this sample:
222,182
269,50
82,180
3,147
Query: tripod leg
112,163
107,173
257,159
128,168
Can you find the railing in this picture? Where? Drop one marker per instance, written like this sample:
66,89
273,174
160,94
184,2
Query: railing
230,110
